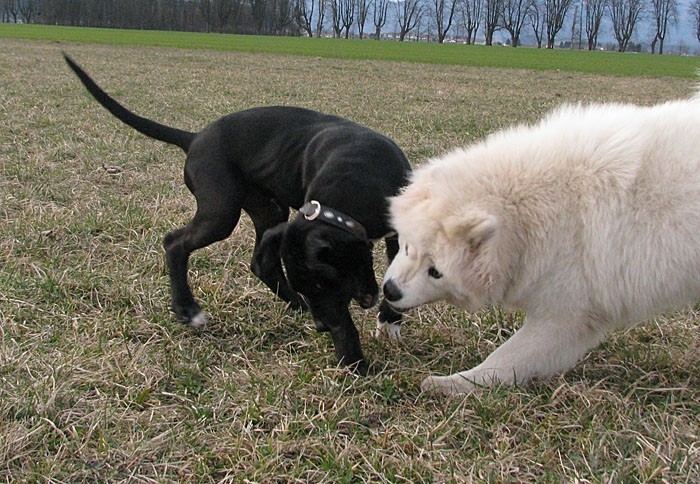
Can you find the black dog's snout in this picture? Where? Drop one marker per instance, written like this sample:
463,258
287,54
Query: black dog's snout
391,291
366,301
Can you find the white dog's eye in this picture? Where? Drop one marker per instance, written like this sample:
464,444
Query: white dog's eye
434,273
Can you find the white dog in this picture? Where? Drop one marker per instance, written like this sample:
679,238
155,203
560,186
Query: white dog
588,221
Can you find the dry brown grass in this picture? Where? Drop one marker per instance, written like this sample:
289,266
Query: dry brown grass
97,381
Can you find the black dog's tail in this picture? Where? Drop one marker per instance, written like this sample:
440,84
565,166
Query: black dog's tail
158,131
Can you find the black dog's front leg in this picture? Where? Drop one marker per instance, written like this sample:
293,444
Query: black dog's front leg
267,265
337,321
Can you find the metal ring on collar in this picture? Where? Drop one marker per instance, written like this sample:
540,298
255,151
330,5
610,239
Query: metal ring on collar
316,211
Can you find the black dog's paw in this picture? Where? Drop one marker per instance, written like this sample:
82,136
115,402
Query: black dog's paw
297,304
362,368
191,315
320,327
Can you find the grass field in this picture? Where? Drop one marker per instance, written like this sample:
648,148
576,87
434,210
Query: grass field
611,63
99,383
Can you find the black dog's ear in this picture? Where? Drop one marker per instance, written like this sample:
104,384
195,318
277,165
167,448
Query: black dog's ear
319,255
267,265
266,257
271,241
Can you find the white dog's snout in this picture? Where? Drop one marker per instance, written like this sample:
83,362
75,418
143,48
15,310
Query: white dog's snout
392,291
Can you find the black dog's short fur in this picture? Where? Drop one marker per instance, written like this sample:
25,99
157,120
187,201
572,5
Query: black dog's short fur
265,160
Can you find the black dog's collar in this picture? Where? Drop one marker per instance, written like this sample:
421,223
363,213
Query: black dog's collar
313,210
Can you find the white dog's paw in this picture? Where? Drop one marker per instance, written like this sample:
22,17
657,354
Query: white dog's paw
389,331
448,385
199,320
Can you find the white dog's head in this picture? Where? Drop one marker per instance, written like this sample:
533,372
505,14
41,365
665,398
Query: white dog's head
449,247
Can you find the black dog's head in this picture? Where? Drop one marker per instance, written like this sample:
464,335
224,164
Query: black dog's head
328,266
325,263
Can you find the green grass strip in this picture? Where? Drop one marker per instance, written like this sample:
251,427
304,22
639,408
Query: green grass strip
610,63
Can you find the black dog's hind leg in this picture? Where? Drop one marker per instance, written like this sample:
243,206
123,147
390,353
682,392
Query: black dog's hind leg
389,320
219,199
267,261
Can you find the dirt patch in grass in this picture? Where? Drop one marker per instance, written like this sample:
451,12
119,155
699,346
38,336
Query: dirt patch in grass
98,382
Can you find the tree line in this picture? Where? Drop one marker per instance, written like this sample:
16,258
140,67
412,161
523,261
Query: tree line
411,19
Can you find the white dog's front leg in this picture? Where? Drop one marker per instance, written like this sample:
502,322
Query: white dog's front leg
537,350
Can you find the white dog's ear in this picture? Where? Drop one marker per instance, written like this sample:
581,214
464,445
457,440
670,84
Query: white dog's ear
475,226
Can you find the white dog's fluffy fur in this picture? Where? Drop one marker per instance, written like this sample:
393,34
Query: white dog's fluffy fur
588,221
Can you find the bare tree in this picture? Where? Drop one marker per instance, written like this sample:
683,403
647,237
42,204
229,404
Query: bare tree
259,10
536,17
492,14
513,15
29,9
471,18
205,9
624,15
665,12
379,16
223,11
347,15
147,14
408,14
173,13
281,15
554,16
694,11
11,9
336,18
362,12
303,15
321,18
594,11
575,27
444,11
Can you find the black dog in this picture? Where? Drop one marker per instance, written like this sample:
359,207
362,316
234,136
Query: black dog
265,160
